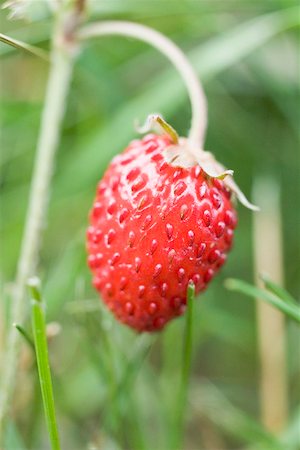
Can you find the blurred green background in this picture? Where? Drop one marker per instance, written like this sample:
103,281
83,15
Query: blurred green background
114,389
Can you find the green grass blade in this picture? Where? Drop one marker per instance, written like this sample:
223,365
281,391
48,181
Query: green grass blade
25,335
290,437
278,290
41,349
13,439
235,44
178,432
210,401
187,346
23,46
291,311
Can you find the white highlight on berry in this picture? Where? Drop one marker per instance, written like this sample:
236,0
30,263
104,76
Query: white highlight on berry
174,54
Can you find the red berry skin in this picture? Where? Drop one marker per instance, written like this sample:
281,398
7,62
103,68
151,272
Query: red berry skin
153,228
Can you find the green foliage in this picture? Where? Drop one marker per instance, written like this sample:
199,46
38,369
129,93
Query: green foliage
177,435
41,350
23,46
114,389
278,297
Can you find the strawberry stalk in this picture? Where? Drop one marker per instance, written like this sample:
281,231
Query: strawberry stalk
174,54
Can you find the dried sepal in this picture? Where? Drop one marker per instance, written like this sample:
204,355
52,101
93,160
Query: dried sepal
184,154
231,184
155,122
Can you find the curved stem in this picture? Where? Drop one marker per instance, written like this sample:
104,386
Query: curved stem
173,53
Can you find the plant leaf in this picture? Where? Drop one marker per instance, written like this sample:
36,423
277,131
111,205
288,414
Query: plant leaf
279,291
292,311
25,335
180,412
41,349
208,399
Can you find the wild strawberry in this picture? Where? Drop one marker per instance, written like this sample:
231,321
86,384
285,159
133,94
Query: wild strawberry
158,222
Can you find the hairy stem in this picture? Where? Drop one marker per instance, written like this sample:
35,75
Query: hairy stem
61,65
174,54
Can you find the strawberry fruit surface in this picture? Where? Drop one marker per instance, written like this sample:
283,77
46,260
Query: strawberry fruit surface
154,228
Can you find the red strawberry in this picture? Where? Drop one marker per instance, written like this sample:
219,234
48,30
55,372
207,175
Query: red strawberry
153,228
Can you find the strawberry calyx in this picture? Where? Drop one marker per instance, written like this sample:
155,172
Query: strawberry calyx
155,122
183,153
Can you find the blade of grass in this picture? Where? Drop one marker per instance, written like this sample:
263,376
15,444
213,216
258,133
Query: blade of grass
130,372
23,46
39,32
209,400
25,335
187,345
278,290
179,423
268,256
292,311
13,439
125,393
290,438
41,349
118,387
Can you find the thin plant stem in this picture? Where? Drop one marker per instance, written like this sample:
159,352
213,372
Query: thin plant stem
178,432
61,66
41,351
24,46
174,54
